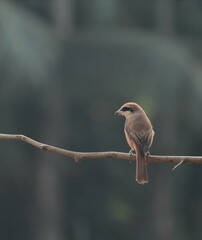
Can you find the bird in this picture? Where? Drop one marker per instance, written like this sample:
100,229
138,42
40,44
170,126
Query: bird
139,135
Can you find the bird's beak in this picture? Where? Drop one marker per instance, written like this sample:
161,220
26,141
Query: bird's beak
117,112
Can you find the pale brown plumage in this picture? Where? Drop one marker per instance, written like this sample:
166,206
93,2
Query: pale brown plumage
139,135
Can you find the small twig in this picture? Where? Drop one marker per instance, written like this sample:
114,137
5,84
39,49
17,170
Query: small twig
182,161
78,156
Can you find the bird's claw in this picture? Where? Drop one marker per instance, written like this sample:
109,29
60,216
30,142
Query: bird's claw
132,152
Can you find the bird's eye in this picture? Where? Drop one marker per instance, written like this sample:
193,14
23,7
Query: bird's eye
124,109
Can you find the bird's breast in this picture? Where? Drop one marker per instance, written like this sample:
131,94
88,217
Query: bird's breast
129,141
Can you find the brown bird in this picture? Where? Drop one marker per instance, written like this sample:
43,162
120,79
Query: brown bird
139,135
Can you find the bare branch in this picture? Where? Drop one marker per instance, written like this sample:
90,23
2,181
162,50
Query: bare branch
92,155
182,161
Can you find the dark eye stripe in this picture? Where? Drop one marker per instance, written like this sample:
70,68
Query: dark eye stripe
124,109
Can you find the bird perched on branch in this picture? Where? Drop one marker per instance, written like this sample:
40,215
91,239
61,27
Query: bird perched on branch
139,135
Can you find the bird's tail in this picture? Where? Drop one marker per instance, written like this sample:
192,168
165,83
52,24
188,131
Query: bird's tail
141,168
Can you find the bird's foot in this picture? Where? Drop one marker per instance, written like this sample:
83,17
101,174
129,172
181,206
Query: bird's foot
132,152
148,153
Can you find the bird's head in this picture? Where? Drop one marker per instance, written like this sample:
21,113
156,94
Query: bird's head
128,109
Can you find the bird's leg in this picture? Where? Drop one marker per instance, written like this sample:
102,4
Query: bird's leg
147,154
132,152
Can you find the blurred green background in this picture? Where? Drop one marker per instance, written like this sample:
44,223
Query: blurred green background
65,67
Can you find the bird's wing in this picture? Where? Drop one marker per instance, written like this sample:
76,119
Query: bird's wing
143,141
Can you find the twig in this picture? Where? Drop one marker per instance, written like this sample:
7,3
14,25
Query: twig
182,161
92,155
